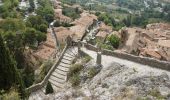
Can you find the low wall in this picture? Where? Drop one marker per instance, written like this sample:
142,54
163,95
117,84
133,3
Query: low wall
35,87
142,60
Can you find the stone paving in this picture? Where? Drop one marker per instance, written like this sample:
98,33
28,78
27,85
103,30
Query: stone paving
59,76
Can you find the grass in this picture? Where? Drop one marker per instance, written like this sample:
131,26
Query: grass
11,95
92,72
74,69
86,59
44,70
75,79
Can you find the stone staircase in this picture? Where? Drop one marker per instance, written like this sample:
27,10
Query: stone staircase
58,76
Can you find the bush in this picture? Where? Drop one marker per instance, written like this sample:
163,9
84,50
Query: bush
105,46
71,12
92,72
114,40
43,28
75,80
75,69
49,88
11,95
43,71
86,59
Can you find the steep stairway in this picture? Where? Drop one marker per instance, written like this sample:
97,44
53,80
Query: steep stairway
59,76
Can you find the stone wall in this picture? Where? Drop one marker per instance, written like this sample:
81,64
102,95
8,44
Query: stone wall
142,60
35,87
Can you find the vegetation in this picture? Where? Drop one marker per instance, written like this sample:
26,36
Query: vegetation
109,19
76,68
45,10
114,40
92,72
105,46
86,59
9,9
157,94
43,71
32,6
18,33
73,13
11,95
9,75
75,79
64,24
49,88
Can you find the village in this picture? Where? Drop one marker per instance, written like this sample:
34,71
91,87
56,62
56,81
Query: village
153,41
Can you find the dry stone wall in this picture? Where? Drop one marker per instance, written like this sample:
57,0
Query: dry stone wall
142,60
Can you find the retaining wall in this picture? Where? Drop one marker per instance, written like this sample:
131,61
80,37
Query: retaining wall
142,60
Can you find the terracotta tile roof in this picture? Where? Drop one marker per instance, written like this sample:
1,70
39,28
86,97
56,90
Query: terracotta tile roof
62,33
165,43
81,24
102,34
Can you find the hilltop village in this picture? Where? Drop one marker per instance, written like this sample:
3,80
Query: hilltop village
85,49
153,41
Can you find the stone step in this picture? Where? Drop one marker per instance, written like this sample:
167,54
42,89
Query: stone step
65,69
38,96
57,79
67,58
43,89
59,75
31,97
66,65
56,84
61,72
41,93
70,53
55,88
66,61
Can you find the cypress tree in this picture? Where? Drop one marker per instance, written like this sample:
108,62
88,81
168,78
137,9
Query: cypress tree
9,74
49,88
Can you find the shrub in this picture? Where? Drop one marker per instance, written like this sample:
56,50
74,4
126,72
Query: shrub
114,40
49,88
75,69
71,12
75,80
11,95
92,72
105,46
156,93
43,71
86,59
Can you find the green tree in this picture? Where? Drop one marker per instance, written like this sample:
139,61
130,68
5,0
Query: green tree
32,5
9,75
30,36
114,40
40,36
43,28
49,88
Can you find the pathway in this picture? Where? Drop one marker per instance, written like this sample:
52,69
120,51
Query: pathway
59,76
107,61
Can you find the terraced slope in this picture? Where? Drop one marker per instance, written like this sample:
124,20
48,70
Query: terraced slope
59,76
